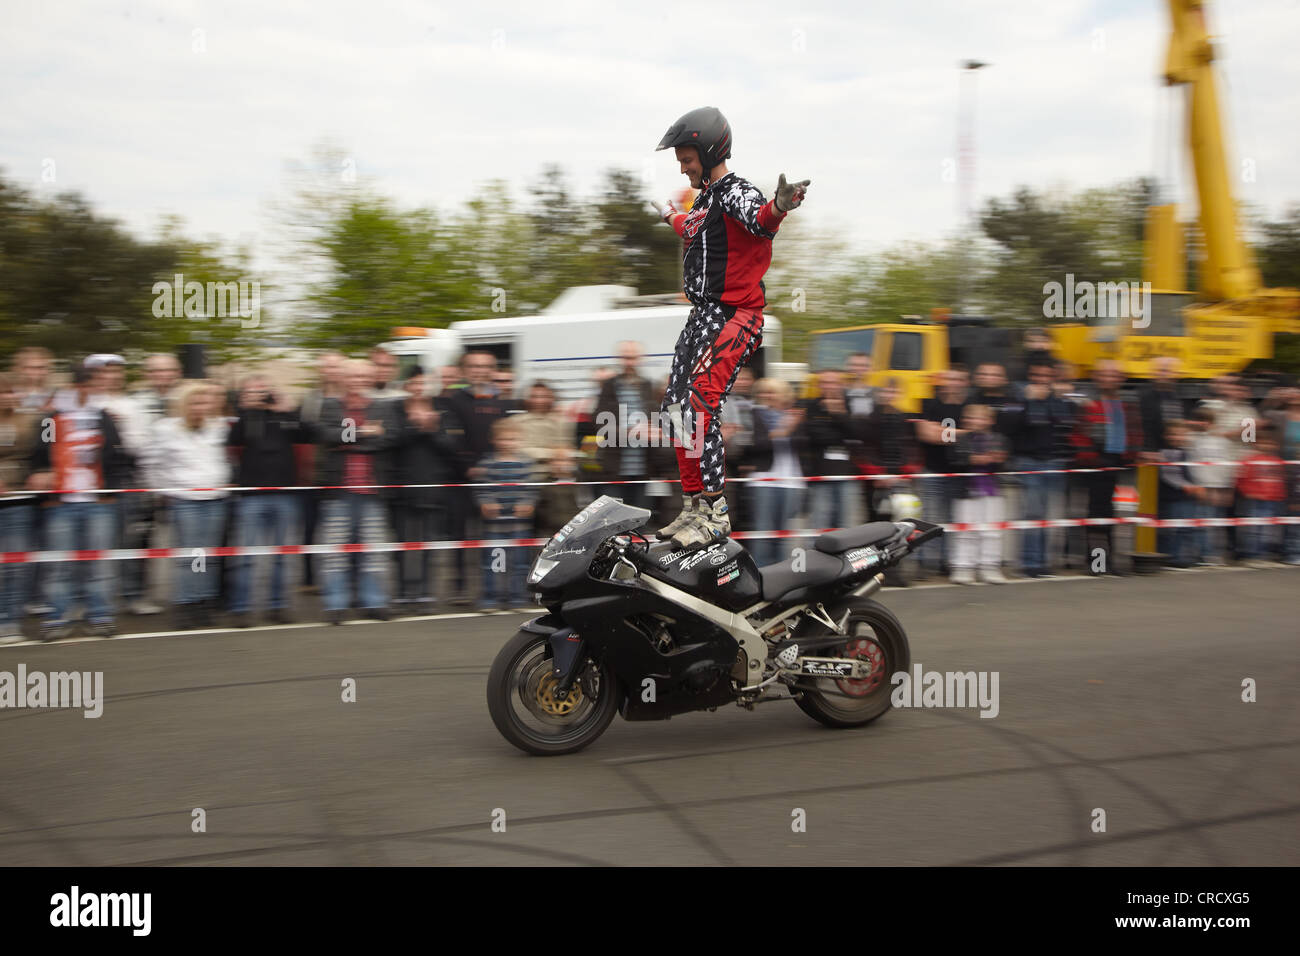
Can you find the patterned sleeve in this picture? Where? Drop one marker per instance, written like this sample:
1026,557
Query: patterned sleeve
743,202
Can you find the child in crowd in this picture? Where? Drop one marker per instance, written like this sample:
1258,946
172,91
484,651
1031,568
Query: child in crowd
507,510
978,499
1183,497
1262,485
559,502
1207,445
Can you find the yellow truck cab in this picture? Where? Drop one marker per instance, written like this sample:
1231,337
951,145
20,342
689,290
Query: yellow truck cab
911,352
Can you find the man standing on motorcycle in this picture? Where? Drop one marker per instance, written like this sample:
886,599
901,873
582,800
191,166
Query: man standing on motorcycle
727,238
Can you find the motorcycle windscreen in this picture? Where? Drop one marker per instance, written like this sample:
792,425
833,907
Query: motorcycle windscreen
602,518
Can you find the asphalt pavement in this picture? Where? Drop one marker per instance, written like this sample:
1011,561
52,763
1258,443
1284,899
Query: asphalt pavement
1122,696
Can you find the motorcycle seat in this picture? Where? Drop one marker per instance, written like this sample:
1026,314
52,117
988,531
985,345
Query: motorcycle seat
780,579
861,536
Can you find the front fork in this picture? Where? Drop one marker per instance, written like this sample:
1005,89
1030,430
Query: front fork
568,651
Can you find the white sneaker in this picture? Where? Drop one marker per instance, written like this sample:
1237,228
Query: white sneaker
13,638
144,608
993,576
962,576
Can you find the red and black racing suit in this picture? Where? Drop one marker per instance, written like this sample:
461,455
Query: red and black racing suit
728,246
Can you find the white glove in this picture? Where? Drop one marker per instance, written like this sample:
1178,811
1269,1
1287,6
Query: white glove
665,210
789,195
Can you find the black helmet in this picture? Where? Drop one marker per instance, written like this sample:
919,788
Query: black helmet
707,130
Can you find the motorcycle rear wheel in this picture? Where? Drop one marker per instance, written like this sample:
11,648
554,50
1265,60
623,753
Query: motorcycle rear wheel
525,710
875,634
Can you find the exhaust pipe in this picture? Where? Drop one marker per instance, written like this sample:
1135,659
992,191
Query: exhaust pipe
869,587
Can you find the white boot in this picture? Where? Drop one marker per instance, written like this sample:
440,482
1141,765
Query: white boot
709,522
670,529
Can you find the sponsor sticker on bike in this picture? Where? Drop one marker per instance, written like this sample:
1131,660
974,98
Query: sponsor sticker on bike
692,560
861,558
828,668
726,577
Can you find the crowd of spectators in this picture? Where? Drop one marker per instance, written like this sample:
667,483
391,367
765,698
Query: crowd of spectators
351,460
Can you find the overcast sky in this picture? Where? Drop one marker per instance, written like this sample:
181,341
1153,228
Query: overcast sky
194,108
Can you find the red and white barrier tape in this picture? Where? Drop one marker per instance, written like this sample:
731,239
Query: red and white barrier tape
228,489
129,554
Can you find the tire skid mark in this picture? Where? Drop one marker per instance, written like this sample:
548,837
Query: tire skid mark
1146,834
449,671
319,840
674,813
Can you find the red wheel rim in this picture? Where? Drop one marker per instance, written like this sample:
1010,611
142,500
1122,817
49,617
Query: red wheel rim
866,649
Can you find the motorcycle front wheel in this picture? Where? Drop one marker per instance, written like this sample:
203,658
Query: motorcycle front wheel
522,701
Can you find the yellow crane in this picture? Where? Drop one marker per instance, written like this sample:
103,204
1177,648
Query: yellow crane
1222,327
1231,320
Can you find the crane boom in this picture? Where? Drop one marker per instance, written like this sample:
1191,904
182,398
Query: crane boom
1228,270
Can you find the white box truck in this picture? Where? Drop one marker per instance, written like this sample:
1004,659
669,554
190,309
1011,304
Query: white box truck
571,339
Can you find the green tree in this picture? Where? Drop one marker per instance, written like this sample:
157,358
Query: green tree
390,268
1279,251
75,282
71,280
1040,237
630,245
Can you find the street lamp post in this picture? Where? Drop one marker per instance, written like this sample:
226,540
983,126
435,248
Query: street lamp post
966,174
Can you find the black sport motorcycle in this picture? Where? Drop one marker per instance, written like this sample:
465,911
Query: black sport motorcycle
642,628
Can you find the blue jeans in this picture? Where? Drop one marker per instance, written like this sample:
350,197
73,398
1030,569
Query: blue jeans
1257,540
509,563
936,506
353,518
74,526
1185,546
15,579
268,518
830,503
774,509
197,526
1037,495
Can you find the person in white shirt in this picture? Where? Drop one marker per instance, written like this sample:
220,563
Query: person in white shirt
194,472
134,510
1208,443
148,406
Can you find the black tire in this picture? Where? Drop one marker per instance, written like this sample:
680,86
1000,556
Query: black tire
514,680
871,624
